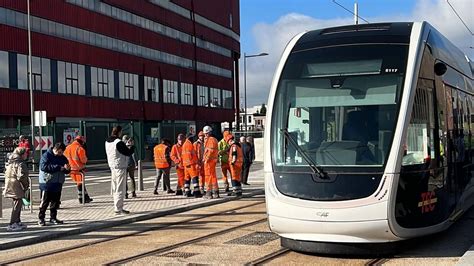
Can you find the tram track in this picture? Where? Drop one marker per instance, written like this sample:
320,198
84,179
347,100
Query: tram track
377,261
269,257
162,250
139,231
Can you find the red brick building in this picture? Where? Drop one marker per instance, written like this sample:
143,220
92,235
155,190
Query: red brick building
156,67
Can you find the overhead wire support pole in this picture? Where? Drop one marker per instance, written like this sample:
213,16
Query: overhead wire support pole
455,12
30,84
348,10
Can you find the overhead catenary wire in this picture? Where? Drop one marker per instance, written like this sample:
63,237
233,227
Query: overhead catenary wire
455,12
348,10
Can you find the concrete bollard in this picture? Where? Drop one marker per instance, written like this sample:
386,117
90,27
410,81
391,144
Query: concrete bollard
140,176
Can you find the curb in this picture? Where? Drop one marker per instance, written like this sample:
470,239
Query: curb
467,259
94,226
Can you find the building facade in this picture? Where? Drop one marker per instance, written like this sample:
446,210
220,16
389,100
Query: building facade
156,67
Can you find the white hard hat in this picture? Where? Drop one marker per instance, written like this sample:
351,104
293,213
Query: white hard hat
207,129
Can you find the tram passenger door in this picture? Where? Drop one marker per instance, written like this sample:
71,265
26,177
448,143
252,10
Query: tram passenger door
459,173
423,197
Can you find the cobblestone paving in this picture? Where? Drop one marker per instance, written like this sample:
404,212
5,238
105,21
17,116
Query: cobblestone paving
77,217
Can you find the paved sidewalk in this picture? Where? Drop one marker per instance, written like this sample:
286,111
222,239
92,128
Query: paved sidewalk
100,214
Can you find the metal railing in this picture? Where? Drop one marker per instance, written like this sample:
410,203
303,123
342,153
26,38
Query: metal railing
254,134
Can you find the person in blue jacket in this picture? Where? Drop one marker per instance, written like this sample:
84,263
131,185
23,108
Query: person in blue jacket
53,168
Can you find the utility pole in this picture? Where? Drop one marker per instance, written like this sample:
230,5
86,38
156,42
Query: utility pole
30,85
356,13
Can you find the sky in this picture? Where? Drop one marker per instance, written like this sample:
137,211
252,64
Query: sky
266,26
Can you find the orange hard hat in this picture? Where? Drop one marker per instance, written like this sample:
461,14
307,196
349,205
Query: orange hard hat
228,137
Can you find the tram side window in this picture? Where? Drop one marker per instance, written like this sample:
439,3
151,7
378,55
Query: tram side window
419,144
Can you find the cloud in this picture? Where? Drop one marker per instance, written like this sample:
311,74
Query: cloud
273,37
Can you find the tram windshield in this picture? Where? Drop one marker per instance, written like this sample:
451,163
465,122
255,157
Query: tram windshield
340,104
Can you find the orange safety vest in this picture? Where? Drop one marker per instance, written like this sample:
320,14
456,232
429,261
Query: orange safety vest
210,149
188,154
199,149
159,153
76,155
176,155
239,161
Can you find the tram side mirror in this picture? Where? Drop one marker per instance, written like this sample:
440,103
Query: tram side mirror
440,69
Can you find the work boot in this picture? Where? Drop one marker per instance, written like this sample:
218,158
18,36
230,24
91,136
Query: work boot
155,192
188,193
88,199
208,195
215,194
55,221
238,194
231,193
41,222
226,187
170,191
197,194
179,192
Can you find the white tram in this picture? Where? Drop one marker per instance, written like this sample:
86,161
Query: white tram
369,137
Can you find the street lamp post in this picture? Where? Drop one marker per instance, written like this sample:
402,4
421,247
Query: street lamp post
30,82
245,86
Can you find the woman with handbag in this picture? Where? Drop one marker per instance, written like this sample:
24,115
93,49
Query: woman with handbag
16,183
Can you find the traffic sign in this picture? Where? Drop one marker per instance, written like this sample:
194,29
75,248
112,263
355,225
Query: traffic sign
69,135
43,143
40,119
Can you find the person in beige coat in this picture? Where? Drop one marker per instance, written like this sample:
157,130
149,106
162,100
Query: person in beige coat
16,183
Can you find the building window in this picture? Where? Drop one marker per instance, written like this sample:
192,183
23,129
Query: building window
102,81
4,74
40,73
71,78
16,19
228,100
215,100
151,89
128,86
186,94
202,96
170,91
250,119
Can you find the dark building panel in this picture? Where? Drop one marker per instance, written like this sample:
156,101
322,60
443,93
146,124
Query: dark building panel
12,70
54,76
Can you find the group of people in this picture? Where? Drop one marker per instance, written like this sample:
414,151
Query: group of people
195,164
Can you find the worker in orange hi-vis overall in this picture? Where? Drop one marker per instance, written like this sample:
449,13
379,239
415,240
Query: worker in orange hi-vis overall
175,155
77,158
199,148
191,173
223,147
236,160
210,162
